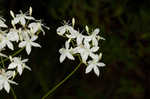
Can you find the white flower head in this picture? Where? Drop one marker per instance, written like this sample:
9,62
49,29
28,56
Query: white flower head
94,64
37,26
66,52
63,29
16,62
20,18
5,79
13,35
6,41
85,50
28,43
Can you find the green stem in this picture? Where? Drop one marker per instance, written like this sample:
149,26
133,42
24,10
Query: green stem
13,93
60,83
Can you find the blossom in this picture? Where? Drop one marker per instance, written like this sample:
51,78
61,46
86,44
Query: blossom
66,52
5,79
28,43
6,41
20,18
94,64
13,34
85,51
16,62
63,29
94,37
36,26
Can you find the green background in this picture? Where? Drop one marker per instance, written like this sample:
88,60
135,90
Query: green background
125,24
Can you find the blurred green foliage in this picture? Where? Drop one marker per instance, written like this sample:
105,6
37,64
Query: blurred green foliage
126,26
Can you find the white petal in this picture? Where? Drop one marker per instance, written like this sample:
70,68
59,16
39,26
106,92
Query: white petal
10,45
96,31
35,44
19,69
6,86
79,39
28,48
100,64
96,70
22,44
16,20
3,55
29,17
25,60
94,49
12,66
62,58
23,21
88,68
84,57
27,67
2,24
1,87
34,38
61,30
67,44
69,56
95,42
12,82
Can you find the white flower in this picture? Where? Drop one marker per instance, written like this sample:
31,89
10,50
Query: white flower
66,52
5,79
13,35
2,24
16,62
94,64
75,34
94,37
85,51
5,40
63,29
20,18
37,26
28,43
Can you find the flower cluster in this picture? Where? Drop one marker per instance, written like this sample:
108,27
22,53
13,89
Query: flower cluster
22,33
84,45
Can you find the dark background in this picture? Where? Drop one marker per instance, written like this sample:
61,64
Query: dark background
126,26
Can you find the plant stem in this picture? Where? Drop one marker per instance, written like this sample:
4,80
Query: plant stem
14,95
60,83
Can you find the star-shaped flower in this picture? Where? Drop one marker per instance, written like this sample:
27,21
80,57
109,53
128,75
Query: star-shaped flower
5,79
6,41
37,26
94,64
63,29
20,18
94,37
85,50
16,62
66,52
28,43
